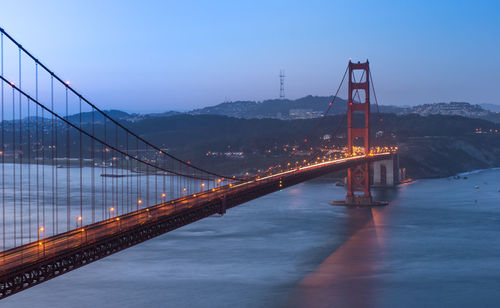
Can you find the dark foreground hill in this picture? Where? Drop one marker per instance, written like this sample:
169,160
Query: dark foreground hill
430,146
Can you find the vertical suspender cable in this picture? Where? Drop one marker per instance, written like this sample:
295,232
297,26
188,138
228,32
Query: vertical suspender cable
113,181
3,145
68,182
147,184
164,190
103,193
92,172
117,170
37,146
21,154
138,193
81,164
29,173
55,198
156,179
128,174
14,165
381,120
120,178
105,181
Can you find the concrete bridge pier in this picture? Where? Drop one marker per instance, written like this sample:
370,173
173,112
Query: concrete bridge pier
386,172
382,173
223,206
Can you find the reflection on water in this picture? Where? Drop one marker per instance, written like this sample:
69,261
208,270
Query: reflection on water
341,279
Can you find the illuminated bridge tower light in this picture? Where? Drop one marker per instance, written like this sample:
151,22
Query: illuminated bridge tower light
358,178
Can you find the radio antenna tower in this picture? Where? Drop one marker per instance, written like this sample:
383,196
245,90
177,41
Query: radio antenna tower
282,84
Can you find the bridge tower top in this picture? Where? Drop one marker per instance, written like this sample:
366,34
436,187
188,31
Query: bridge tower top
358,101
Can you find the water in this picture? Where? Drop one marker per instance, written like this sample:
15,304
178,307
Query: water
21,195
436,245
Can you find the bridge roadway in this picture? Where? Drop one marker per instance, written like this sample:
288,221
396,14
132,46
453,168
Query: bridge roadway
36,262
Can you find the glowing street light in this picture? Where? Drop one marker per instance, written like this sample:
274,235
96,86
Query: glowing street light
79,221
42,230
111,210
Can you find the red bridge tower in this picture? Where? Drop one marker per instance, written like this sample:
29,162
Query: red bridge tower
358,178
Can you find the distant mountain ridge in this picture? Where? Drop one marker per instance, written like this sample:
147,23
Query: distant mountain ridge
312,106
491,107
303,108
463,109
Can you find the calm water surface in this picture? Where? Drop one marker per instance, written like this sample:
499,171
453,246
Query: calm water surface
436,245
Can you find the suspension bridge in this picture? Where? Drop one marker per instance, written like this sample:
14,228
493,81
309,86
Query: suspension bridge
78,185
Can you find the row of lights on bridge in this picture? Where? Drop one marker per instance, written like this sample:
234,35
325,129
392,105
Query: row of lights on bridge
111,210
79,219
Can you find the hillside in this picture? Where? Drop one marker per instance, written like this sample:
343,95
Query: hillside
304,108
275,108
491,107
430,146
454,108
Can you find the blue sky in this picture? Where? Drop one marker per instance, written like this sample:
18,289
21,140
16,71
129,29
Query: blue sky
146,56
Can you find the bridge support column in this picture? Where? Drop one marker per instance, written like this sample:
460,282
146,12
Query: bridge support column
358,178
223,206
358,135
386,172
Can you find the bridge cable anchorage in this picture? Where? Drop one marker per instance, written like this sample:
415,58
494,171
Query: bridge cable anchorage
115,122
314,130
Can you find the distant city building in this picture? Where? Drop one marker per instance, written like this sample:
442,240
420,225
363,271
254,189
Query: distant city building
226,154
453,108
486,131
303,114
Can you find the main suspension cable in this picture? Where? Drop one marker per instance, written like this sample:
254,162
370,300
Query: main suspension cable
323,116
65,121
188,164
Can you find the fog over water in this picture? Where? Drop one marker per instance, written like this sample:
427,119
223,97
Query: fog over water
435,245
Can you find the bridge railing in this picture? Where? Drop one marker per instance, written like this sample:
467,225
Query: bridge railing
92,233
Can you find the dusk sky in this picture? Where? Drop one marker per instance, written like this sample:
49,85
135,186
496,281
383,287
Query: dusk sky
150,56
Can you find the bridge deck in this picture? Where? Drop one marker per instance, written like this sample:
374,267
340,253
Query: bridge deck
30,264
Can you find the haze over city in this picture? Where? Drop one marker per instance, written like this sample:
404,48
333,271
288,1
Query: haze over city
169,55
